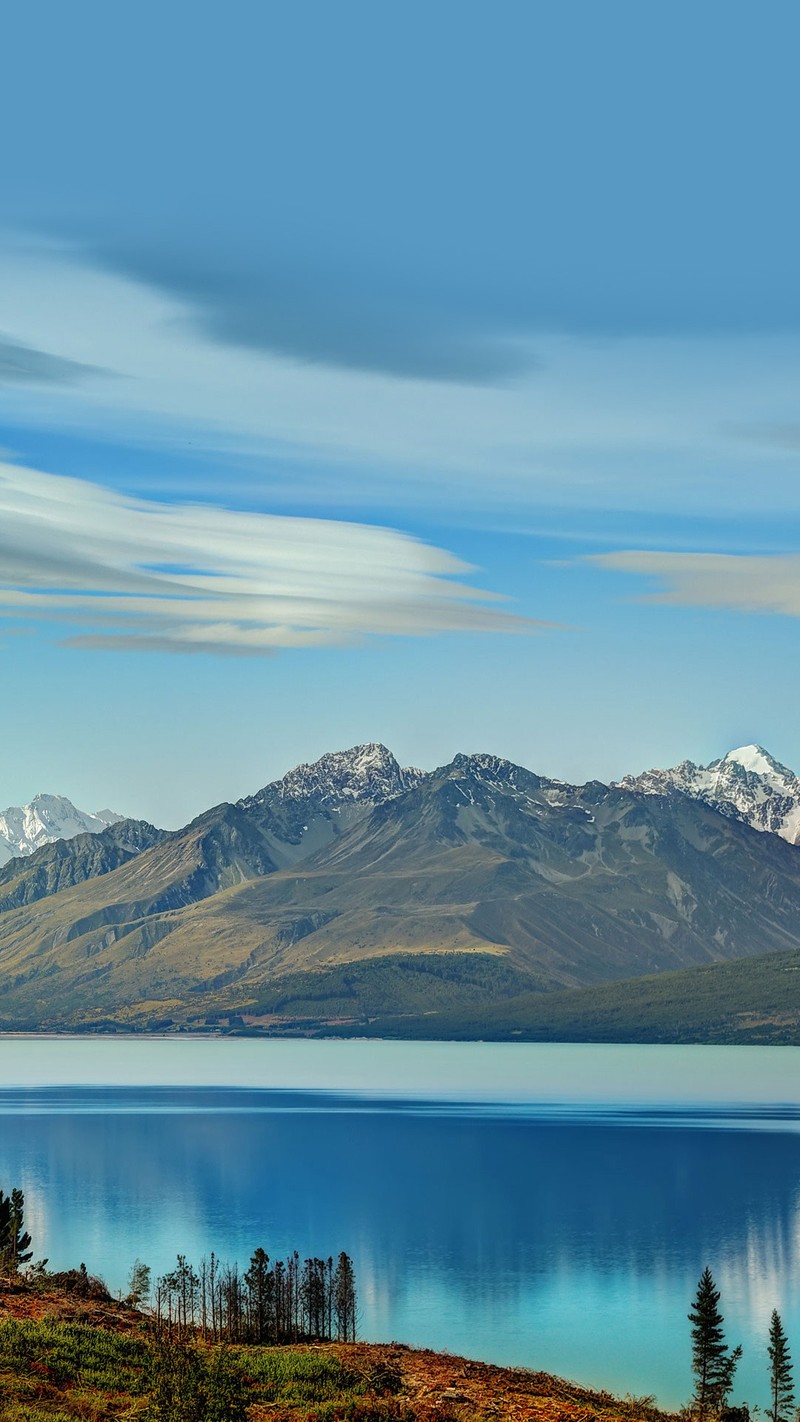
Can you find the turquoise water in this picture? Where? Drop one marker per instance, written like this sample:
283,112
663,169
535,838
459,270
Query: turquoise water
550,1206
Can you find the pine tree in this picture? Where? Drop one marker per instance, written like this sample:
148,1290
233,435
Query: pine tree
5,1224
13,1239
780,1373
345,1306
712,1363
260,1285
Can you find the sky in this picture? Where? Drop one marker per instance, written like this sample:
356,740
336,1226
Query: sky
421,373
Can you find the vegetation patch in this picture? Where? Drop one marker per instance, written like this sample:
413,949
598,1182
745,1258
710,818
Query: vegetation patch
389,985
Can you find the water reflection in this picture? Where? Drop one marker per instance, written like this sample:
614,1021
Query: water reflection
567,1244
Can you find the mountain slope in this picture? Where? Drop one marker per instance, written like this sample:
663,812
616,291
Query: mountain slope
284,822
565,885
747,784
25,828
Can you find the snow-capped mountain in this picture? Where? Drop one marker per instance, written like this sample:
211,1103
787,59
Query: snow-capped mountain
25,828
747,784
368,774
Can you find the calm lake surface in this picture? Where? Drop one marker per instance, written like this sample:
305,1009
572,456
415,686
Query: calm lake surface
551,1206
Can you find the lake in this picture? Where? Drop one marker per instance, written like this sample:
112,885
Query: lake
550,1206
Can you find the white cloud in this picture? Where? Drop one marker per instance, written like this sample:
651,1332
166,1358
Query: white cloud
184,577
737,582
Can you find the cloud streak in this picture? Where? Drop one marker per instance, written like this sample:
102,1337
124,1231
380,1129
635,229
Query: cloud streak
733,582
24,365
637,424
331,322
141,576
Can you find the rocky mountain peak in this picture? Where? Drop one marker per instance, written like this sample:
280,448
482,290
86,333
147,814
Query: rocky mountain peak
367,774
481,766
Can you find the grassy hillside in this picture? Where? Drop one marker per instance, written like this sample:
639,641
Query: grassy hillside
468,996
57,1367
411,996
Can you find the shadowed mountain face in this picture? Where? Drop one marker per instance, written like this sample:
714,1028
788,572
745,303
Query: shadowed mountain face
355,861
65,862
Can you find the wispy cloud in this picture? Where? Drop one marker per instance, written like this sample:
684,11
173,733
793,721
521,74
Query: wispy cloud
189,578
633,424
737,582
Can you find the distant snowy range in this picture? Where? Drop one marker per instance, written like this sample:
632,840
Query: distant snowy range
25,828
747,783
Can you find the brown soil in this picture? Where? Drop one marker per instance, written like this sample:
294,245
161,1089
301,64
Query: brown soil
474,1389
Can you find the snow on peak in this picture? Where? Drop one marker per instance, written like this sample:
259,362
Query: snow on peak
756,761
25,828
747,784
367,773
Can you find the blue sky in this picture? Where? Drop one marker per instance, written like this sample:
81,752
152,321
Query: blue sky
422,373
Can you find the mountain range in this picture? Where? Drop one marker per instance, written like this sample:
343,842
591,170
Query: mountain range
354,890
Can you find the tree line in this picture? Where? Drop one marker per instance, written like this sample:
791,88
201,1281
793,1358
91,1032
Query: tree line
714,1362
281,1301
272,1301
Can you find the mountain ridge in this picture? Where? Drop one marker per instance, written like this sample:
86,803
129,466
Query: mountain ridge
746,783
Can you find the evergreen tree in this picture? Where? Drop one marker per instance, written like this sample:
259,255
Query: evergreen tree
176,1383
13,1239
712,1363
5,1226
780,1372
260,1296
345,1308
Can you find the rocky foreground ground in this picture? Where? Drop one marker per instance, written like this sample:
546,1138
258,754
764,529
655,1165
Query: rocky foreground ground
67,1357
